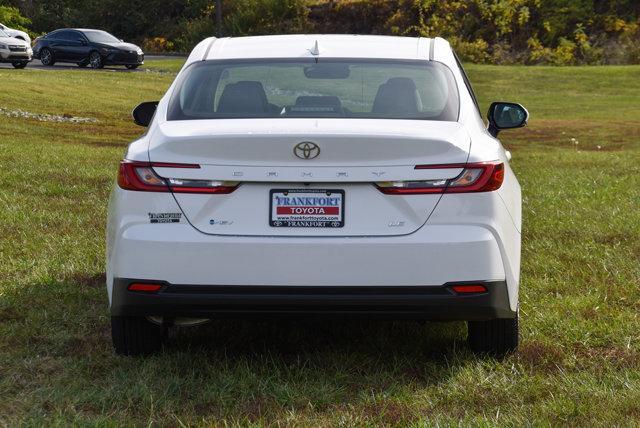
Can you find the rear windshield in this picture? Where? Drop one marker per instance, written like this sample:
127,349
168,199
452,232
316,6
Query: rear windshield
335,88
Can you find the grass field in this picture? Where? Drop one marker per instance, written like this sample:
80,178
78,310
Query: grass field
578,364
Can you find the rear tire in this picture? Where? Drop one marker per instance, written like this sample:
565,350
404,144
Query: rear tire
136,336
20,64
46,57
497,337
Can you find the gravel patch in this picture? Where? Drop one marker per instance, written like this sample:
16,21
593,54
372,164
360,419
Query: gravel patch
43,117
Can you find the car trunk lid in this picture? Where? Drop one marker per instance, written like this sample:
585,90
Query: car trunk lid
346,158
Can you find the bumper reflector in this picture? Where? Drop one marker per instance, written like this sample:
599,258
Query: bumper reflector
148,288
469,288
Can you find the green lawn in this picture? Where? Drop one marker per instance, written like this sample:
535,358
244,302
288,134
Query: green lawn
578,364
172,65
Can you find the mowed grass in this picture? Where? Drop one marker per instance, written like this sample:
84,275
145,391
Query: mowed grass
578,364
171,65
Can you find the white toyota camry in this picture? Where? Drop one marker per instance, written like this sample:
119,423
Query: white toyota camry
317,175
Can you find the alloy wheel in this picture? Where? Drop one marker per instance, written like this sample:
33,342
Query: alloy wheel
45,57
95,60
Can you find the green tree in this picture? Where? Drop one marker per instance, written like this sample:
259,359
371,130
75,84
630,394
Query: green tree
11,17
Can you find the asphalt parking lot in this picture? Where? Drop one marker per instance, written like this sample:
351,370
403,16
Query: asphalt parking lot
37,65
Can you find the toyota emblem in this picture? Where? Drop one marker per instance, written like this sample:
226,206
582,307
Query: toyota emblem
306,150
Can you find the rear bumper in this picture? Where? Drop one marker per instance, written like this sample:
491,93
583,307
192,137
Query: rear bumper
223,301
178,255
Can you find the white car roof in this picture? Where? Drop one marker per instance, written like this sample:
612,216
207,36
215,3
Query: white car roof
318,45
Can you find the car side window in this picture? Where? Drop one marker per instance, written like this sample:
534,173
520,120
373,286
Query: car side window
65,35
467,83
76,36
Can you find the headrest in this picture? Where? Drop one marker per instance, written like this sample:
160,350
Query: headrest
243,97
397,97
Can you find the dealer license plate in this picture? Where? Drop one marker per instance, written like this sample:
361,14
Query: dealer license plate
307,208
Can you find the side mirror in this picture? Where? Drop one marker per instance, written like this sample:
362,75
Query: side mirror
83,42
506,116
143,113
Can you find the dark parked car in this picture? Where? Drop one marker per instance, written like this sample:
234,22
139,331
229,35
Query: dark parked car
84,47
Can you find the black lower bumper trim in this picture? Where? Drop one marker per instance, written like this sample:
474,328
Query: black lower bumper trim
225,301
123,59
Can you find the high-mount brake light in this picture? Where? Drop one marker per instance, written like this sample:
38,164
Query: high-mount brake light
475,177
141,177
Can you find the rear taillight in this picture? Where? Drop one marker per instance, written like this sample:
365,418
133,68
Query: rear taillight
140,176
475,177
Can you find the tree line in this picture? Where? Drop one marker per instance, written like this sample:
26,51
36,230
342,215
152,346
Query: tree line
561,32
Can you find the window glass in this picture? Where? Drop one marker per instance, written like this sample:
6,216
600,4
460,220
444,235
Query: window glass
76,36
98,36
303,88
65,35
